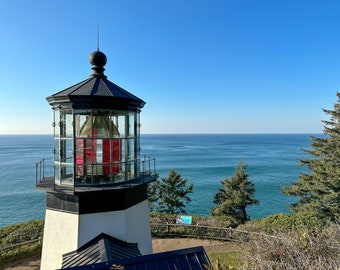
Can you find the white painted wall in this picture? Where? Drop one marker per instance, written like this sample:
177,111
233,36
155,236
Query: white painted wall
66,232
60,236
138,227
131,225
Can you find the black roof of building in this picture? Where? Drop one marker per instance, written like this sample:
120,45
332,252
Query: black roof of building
102,248
190,258
96,92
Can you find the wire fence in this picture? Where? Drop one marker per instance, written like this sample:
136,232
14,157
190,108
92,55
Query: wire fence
176,230
202,232
20,245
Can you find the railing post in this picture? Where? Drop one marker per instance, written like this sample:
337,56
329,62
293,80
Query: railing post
36,173
43,168
143,173
154,166
40,171
149,164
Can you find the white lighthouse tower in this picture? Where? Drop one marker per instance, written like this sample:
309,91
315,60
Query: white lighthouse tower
100,183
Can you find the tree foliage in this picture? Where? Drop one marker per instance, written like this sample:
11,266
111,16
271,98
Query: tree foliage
318,190
153,195
234,196
170,194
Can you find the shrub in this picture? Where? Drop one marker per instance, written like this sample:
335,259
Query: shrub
283,223
159,218
298,249
19,233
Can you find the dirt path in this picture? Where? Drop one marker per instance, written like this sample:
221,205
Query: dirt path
166,244
159,245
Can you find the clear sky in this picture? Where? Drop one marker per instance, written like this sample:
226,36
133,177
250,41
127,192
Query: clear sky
218,66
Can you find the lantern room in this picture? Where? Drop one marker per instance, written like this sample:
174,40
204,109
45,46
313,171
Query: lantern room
96,132
102,146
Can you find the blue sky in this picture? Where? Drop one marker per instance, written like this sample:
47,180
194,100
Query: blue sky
220,66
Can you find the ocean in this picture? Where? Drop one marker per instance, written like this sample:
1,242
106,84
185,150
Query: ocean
203,159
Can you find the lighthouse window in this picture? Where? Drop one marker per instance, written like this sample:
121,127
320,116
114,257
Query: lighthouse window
132,124
132,171
80,119
138,124
98,147
56,150
119,121
69,124
131,149
63,147
56,123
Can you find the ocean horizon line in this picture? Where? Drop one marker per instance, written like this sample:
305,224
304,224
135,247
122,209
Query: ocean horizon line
186,133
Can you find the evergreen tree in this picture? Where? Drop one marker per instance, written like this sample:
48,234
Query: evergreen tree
153,195
172,193
318,190
234,196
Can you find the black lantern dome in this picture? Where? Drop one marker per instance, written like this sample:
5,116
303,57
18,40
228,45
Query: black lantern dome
96,91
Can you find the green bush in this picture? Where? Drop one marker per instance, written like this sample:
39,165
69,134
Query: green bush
17,234
21,232
283,223
297,249
159,218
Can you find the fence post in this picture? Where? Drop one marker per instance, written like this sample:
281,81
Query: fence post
1,264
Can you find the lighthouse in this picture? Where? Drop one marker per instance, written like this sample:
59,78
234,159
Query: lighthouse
100,181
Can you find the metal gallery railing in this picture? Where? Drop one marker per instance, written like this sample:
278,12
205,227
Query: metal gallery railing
45,168
42,168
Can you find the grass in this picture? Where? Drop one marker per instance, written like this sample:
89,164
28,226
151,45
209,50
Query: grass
225,260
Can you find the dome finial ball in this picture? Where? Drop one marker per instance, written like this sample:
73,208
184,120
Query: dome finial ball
97,58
